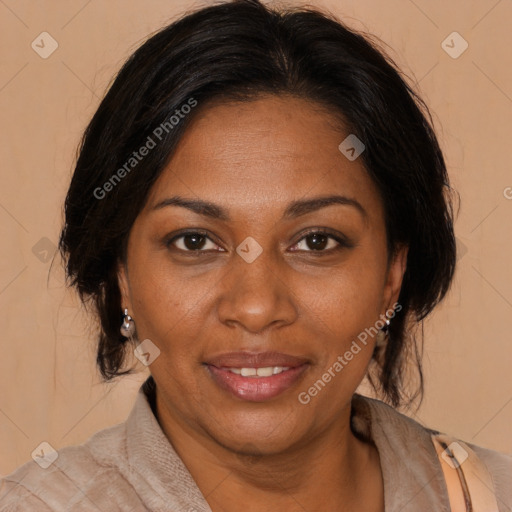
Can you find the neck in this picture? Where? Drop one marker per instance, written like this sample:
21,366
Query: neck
326,469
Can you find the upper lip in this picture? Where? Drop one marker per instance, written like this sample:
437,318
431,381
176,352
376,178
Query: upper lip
255,360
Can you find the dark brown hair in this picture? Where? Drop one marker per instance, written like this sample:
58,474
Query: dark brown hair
239,50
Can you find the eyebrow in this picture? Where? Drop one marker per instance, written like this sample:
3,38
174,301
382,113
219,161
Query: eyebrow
293,210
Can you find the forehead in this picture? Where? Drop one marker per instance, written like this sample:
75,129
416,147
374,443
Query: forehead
263,153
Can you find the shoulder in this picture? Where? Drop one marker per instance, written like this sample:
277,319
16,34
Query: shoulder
499,466
406,435
15,498
80,474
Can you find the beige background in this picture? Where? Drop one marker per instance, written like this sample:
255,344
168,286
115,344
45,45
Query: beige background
50,390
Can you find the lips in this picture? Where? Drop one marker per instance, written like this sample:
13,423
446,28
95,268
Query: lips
255,360
287,371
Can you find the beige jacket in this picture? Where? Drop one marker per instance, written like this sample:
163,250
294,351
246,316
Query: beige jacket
133,467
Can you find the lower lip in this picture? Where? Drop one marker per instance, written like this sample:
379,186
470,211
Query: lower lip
256,389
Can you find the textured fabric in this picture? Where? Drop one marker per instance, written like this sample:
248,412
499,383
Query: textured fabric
133,467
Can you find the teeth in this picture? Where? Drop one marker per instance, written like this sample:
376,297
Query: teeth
268,371
265,372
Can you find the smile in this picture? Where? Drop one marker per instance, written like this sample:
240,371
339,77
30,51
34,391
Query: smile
258,372
256,384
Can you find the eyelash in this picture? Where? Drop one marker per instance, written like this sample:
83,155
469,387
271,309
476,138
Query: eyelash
342,241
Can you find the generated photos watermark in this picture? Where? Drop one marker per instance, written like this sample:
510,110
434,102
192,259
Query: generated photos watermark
342,361
151,142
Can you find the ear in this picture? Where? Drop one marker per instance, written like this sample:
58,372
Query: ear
124,286
395,274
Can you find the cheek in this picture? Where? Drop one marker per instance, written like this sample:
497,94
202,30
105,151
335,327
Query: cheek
169,305
348,300
342,311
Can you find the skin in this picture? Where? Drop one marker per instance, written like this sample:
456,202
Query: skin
298,297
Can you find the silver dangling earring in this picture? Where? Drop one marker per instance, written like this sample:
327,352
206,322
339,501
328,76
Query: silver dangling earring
383,334
128,326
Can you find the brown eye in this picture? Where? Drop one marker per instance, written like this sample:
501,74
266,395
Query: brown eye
319,241
192,242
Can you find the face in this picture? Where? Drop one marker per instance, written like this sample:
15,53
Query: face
235,263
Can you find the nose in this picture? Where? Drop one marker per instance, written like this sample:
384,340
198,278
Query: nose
257,296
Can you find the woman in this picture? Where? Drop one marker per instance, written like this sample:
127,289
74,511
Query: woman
261,211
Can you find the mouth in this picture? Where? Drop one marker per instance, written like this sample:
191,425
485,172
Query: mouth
256,377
